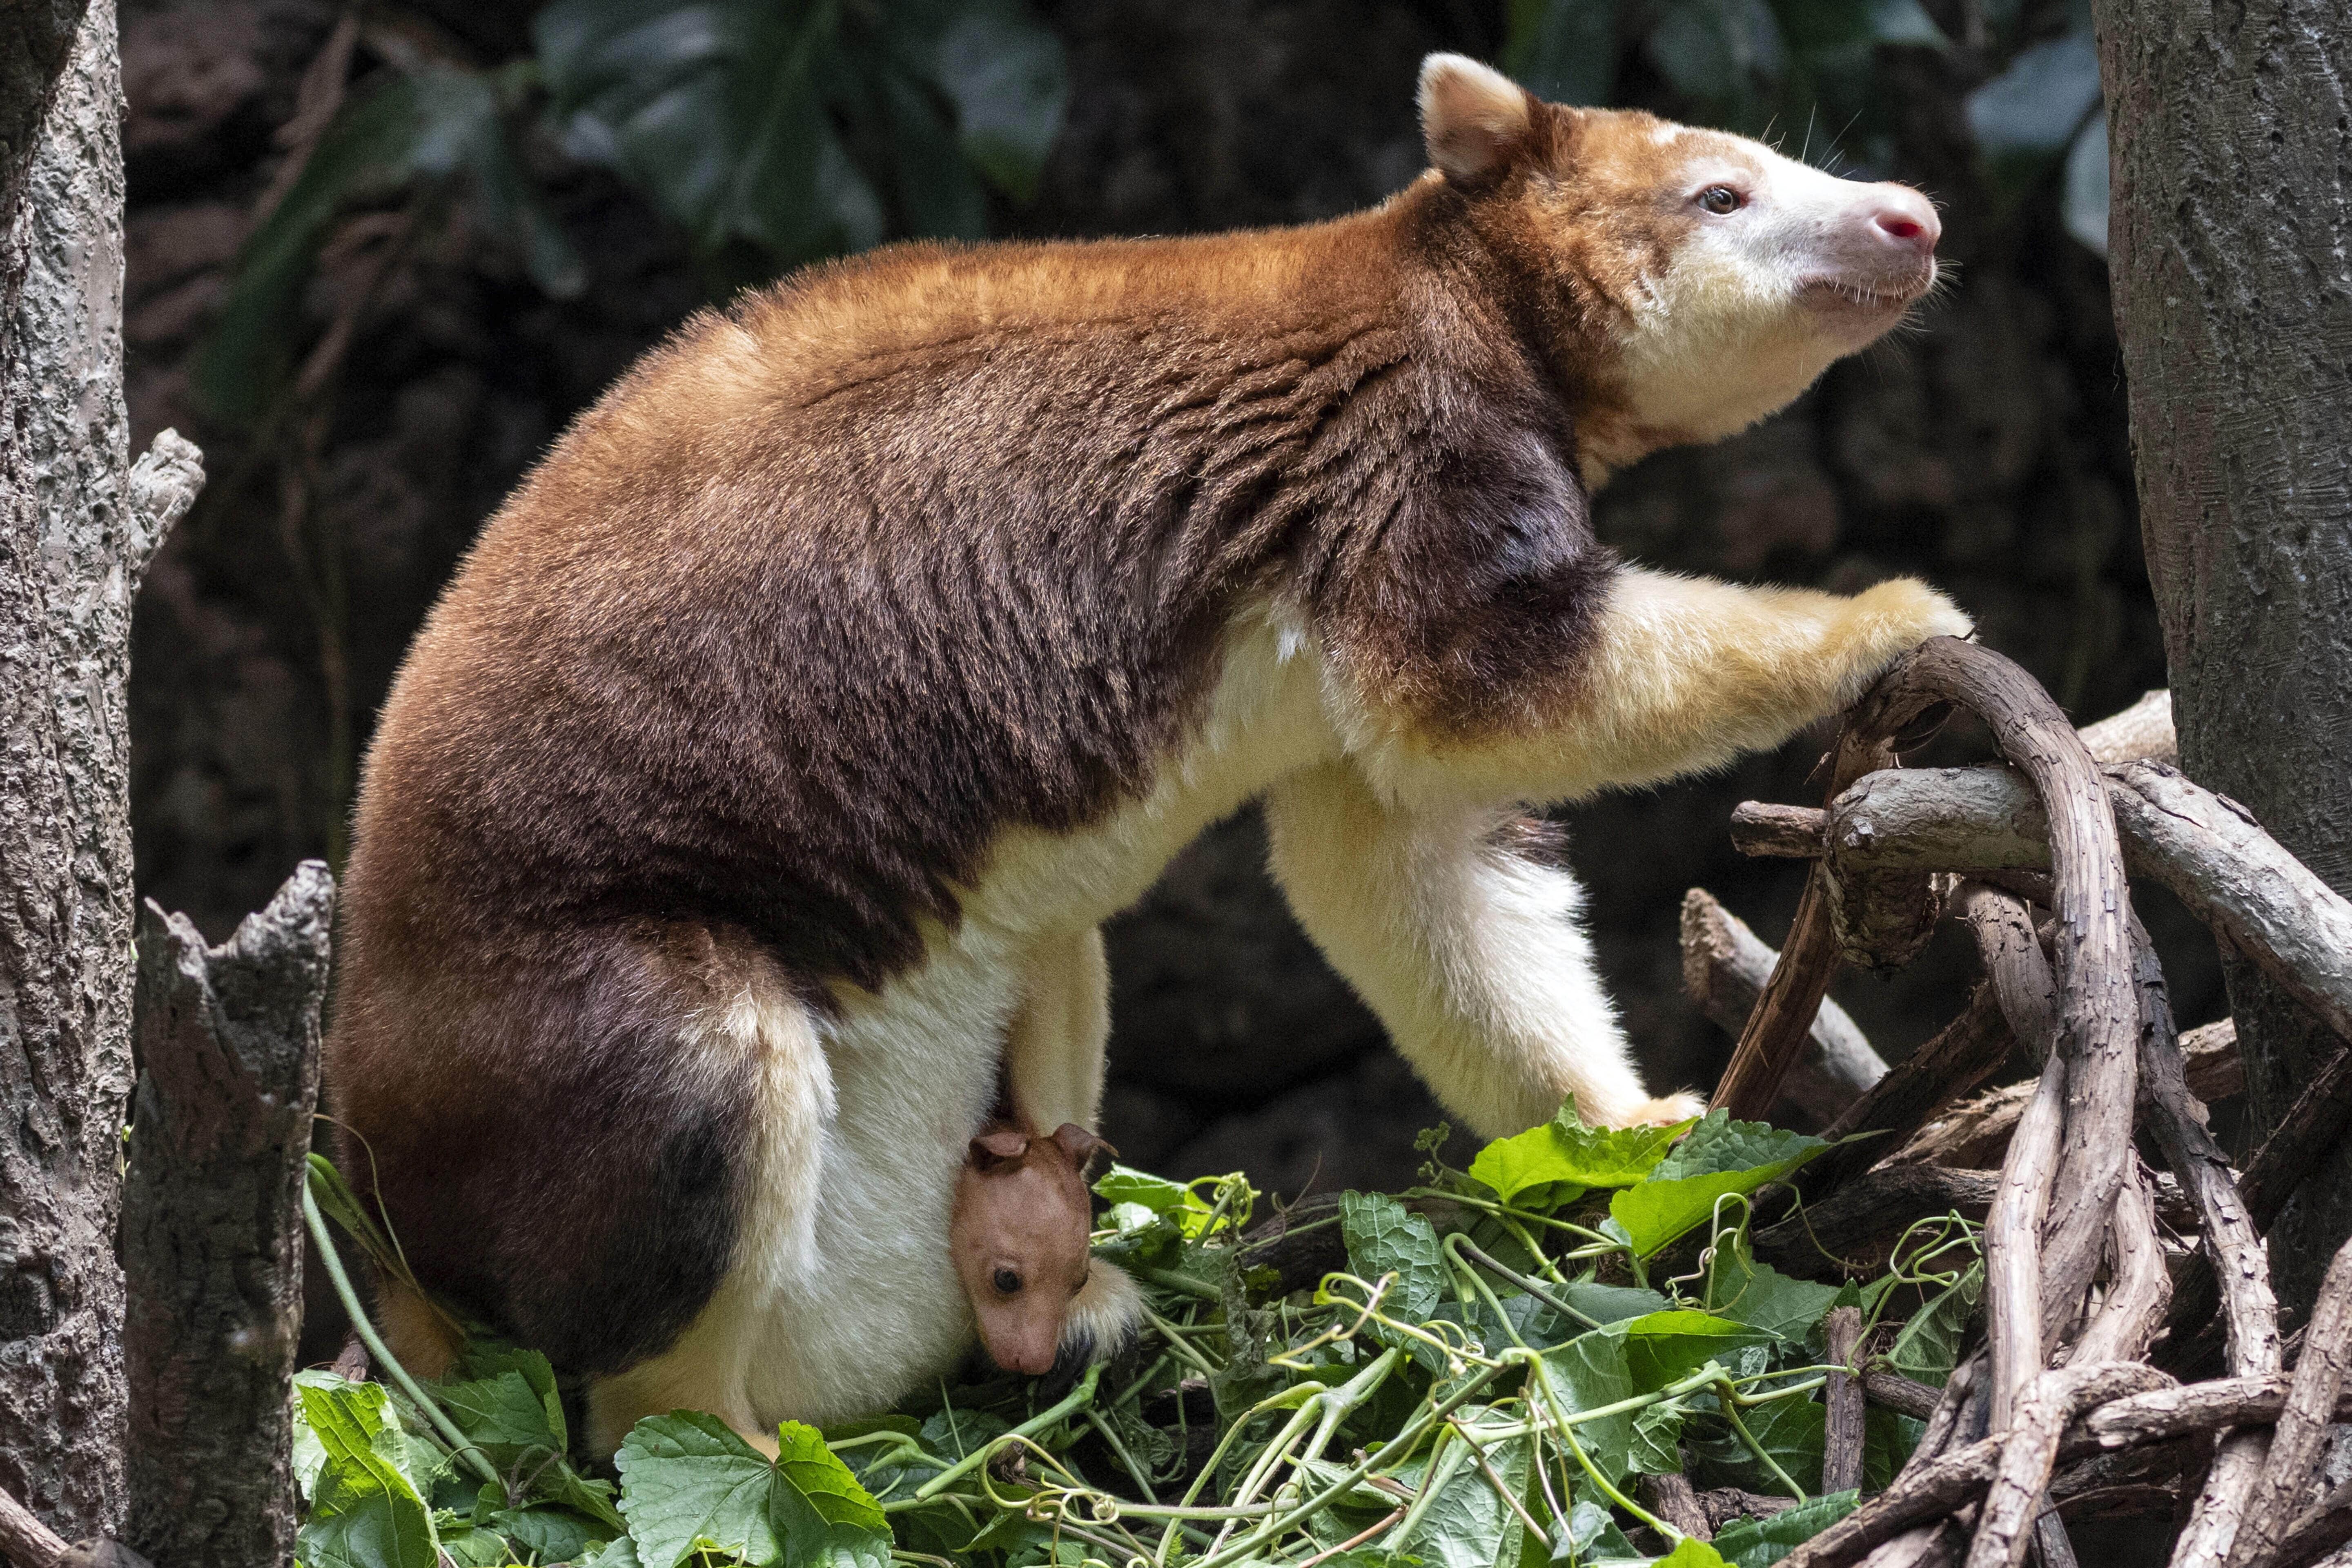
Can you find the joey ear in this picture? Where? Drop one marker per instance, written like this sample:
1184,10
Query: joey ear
1079,1145
1472,116
992,1148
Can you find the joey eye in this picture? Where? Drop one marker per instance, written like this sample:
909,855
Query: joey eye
1007,1282
1721,199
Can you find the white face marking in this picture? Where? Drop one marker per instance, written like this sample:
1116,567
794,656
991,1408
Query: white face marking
1782,270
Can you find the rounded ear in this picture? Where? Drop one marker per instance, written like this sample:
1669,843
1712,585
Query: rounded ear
991,1149
1079,1145
1472,116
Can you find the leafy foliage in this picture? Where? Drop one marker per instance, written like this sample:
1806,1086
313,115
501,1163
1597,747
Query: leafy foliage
777,133
431,130
773,132
1429,1403
1757,65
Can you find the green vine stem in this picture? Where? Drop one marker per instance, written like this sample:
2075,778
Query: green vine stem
459,1444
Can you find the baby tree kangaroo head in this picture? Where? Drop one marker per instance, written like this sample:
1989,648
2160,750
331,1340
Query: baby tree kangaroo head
1018,1236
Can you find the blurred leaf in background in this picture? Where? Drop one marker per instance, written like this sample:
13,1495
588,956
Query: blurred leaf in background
773,131
1808,70
429,129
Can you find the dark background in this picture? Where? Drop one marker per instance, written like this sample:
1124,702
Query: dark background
1983,447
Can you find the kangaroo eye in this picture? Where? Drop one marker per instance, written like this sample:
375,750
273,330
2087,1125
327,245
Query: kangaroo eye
1721,199
1007,1282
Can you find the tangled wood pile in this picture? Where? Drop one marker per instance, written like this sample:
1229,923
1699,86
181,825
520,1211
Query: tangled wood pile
2110,1288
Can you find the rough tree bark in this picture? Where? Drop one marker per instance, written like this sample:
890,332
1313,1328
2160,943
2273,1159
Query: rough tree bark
77,526
36,37
212,1226
2230,246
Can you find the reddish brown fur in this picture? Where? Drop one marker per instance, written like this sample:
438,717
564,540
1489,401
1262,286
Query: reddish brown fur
836,586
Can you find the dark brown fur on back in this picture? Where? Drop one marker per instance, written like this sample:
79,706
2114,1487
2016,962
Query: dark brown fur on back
831,590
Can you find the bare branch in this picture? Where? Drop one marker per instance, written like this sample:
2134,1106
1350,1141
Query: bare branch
1967,1051
1674,1500
1725,967
2029,1451
2141,1287
1841,1450
164,484
2013,1233
1857,1223
1897,1393
2142,730
27,1542
1973,1134
2303,1425
2323,1527
2240,1266
2229,872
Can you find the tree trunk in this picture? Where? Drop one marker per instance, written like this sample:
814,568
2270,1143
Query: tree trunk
212,1226
78,527
35,38
2231,246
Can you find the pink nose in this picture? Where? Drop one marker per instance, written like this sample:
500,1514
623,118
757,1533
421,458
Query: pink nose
1903,219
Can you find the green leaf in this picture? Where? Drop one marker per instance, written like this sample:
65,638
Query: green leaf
435,123
1552,1164
365,1512
1591,1533
309,1455
1758,1542
959,1433
1467,1524
1004,72
1719,1158
1691,1552
1888,1438
816,1491
618,1552
338,1202
1759,1295
684,1477
1610,1303
1658,1437
687,1477
470,1547
1589,1372
786,132
547,1533
503,1416
1384,1236
1665,1346
1563,50
1717,1143
1929,1345
1793,1431
1123,1184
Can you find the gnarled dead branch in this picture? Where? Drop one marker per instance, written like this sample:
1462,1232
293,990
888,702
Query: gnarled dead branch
1725,967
